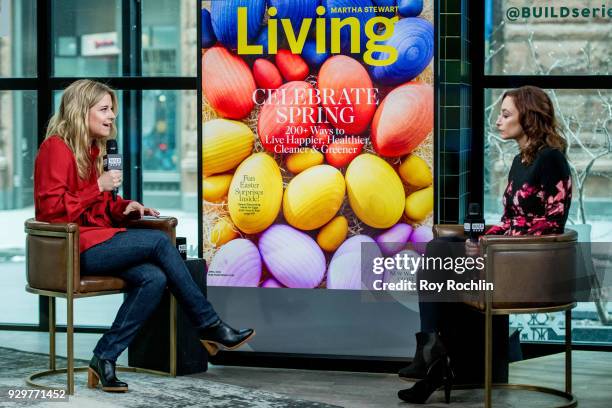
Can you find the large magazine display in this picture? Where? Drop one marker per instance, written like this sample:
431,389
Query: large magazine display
317,138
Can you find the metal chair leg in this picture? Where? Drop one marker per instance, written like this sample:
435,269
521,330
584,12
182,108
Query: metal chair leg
51,333
70,344
568,351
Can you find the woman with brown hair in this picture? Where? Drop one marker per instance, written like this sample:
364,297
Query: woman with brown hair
70,185
536,202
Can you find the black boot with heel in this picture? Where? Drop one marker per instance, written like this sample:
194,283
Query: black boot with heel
221,336
103,371
438,375
429,349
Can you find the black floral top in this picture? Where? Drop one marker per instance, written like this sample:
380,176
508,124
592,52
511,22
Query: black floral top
538,196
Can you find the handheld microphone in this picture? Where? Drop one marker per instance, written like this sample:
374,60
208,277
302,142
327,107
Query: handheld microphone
112,160
474,223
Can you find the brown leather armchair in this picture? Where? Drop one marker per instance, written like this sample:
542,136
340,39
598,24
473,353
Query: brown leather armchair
53,270
530,274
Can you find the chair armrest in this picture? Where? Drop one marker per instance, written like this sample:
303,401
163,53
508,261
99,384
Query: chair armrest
67,227
568,235
165,224
448,230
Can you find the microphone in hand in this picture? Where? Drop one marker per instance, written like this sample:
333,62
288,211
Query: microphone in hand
112,160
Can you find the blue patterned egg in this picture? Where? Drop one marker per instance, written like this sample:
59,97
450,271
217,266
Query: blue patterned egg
311,56
363,16
386,3
410,8
208,35
413,38
224,16
295,10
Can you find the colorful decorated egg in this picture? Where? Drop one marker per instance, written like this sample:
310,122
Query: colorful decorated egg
295,10
300,161
394,239
351,266
342,151
222,232
227,83
285,120
225,143
224,15
375,191
332,235
413,38
311,56
415,171
420,237
313,197
410,8
420,204
354,99
214,188
237,263
266,74
255,194
291,66
292,257
208,35
403,120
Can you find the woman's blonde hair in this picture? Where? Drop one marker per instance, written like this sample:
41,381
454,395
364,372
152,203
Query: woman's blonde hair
71,122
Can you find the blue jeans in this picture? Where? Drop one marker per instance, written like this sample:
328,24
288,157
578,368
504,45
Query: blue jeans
148,262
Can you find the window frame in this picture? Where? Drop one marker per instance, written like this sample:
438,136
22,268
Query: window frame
45,83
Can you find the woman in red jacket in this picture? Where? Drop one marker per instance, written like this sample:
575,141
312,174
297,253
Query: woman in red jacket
71,186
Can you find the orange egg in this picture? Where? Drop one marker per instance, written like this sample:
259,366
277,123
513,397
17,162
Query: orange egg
342,151
351,98
403,119
292,66
227,83
266,74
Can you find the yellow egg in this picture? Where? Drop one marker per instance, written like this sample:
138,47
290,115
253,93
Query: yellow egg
225,143
222,232
313,197
419,204
214,188
375,191
415,171
298,162
255,194
333,234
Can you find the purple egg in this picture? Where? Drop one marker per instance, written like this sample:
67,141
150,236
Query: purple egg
271,283
237,264
410,8
385,3
394,239
413,38
311,56
420,237
292,257
224,16
208,35
352,263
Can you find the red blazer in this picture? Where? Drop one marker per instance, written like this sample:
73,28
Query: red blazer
60,195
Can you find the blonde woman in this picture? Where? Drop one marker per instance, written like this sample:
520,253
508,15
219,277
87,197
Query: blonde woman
71,186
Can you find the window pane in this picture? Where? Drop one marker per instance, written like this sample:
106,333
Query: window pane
18,142
17,38
86,38
169,38
169,158
586,120
542,42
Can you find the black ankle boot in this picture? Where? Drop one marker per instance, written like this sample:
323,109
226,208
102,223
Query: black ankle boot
221,336
439,374
429,349
103,371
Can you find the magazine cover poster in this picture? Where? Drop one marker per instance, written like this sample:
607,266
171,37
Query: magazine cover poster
317,139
